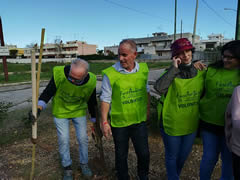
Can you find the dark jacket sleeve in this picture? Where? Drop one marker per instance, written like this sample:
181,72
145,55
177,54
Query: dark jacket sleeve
92,104
163,83
49,91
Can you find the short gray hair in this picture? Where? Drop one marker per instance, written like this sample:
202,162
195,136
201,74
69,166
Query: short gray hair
81,63
130,42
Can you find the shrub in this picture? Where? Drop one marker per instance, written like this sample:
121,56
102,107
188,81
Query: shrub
97,57
4,106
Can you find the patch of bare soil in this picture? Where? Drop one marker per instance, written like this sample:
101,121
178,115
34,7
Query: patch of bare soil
15,158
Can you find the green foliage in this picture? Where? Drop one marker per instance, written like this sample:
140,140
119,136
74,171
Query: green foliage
4,106
22,72
100,52
13,53
110,53
97,57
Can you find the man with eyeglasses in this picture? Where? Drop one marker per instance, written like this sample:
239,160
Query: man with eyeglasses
73,90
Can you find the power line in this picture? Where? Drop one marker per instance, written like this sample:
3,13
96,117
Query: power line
216,13
135,10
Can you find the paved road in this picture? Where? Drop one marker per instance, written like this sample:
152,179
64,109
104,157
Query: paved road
20,94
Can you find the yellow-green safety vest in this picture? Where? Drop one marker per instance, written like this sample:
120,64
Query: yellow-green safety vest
129,96
180,109
219,85
70,100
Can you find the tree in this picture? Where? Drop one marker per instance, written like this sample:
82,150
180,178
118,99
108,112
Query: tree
100,52
110,53
13,53
31,45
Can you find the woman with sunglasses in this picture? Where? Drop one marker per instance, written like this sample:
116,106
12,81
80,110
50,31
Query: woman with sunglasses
221,78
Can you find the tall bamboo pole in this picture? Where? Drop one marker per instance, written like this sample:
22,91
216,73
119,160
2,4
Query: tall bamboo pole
34,111
35,92
34,97
40,62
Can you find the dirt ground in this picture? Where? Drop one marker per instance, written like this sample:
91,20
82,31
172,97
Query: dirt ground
15,158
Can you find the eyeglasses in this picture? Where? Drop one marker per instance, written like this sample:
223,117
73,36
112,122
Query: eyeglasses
228,57
76,81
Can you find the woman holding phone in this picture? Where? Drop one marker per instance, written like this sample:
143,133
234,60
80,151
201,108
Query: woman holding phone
180,87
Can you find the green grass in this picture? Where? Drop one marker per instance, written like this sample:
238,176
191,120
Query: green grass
12,67
16,126
96,68
22,72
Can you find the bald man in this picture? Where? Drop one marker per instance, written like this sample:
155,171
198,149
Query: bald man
73,90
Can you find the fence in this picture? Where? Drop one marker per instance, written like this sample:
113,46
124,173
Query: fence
208,57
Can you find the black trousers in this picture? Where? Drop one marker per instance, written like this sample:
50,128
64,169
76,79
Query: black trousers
138,133
236,166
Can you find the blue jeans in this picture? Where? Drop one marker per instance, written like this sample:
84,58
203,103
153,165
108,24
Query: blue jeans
80,124
213,145
177,149
139,136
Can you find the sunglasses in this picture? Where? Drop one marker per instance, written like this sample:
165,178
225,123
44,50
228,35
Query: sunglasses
228,57
76,81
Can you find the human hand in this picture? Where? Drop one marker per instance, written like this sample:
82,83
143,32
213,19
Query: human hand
31,117
200,66
106,129
93,120
176,61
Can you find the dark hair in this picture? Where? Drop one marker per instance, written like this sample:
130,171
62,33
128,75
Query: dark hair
129,42
233,47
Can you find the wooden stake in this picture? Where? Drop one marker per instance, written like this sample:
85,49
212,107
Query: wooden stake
34,96
40,63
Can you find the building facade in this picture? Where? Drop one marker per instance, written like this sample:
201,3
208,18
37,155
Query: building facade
70,49
213,41
108,50
158,46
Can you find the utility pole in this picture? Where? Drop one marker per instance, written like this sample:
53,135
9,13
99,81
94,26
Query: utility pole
181,28
4,59
237,33
195,23
175,20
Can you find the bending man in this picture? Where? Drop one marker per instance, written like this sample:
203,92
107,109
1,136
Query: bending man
73,89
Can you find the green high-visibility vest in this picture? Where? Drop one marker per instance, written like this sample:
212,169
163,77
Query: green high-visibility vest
180,110
70,100
129,96
219,85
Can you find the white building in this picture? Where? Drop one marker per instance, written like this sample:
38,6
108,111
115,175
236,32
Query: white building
213,41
